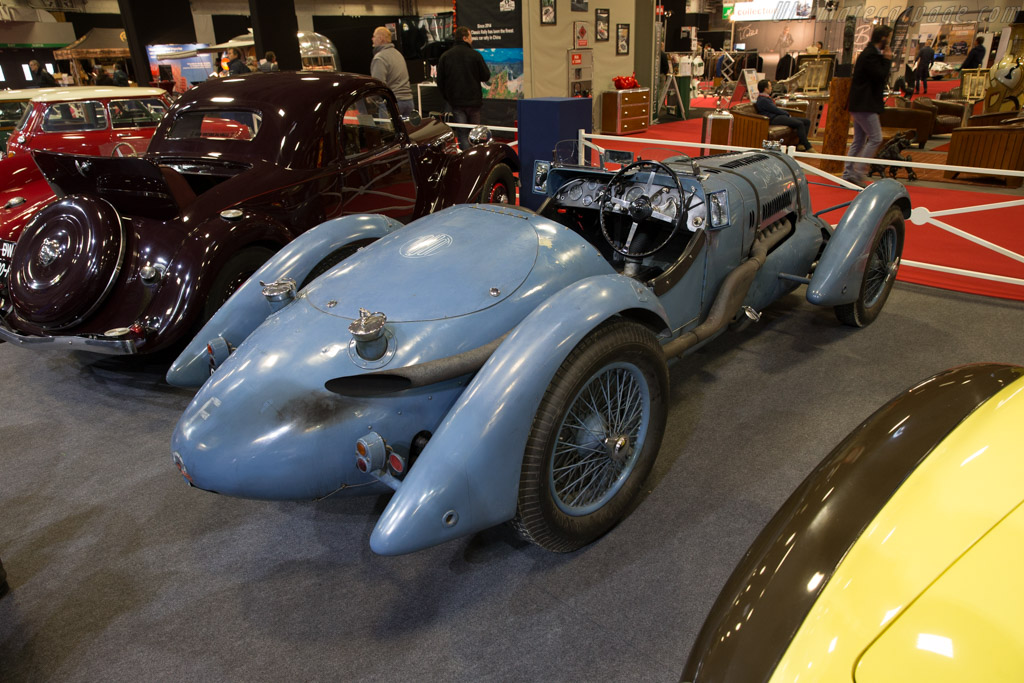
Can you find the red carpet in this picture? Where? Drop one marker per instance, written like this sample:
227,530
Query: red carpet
933,245
924,243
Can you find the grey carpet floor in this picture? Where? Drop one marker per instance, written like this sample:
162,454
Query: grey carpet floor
119,572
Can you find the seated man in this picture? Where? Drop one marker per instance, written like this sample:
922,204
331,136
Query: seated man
765,106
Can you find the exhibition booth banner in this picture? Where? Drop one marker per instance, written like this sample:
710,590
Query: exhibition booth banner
184,72
497,27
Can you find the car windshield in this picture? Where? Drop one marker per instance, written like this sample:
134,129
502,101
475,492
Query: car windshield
71,117
216,125
20,125
140,113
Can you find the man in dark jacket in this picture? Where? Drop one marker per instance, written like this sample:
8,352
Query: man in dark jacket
976,57
867,102
765,106
925,57
236,65
460,71
41,78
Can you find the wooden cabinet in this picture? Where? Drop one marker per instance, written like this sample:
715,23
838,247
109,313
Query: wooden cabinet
625,111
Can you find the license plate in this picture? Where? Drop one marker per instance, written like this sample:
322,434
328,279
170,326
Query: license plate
6,254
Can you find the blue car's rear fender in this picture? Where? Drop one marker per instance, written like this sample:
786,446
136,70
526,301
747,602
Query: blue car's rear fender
467,477
247,307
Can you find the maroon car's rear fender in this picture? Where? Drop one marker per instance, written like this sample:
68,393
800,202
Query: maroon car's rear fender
466,173
178,304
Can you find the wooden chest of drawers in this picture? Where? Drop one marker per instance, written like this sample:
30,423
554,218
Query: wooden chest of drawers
625,111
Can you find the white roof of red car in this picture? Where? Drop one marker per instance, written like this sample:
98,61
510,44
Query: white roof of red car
84,92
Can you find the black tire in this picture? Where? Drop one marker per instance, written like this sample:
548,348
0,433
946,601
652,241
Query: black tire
500,186
333,259
879,273
557,515
233,275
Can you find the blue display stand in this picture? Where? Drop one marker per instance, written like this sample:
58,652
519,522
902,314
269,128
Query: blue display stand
543,122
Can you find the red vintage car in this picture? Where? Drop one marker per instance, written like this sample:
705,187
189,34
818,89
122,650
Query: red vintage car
137,252
83,120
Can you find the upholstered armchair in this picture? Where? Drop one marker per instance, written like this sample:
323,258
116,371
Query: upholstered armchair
948,115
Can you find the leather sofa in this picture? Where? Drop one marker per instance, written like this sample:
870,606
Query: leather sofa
948,115
923,122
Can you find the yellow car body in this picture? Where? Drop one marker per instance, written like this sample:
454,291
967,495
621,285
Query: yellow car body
926,587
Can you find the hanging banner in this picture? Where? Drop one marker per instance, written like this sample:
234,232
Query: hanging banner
494,23
497,28
898,44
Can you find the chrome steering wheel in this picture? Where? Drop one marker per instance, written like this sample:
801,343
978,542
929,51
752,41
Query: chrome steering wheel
639,209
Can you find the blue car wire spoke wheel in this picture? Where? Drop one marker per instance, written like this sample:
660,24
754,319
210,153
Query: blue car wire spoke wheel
67,261
879,272
594,439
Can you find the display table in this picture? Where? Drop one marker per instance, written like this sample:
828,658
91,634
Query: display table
625,111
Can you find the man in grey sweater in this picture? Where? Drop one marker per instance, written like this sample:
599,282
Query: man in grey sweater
388,65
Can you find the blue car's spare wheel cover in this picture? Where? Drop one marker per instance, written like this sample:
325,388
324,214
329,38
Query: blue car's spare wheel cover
66,261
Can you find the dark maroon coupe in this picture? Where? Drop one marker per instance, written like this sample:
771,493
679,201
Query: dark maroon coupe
136,252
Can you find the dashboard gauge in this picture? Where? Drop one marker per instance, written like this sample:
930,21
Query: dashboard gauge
592,185
633,192
670,207
588,200
576,191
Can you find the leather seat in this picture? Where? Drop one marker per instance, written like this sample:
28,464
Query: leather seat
751,129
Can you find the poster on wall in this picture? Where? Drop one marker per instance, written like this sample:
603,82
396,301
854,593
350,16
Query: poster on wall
497,35
601,19
184,72
579,6
622,39
580,35
960,37
547,12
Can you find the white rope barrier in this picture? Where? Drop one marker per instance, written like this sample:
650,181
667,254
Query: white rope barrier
966,273
980,207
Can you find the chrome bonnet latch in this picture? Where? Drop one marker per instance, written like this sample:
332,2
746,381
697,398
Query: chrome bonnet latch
279,293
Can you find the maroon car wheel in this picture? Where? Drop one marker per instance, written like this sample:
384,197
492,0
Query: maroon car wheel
66,261
500,186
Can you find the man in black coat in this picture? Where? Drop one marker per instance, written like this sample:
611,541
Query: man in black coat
925,57
976,57
460,71
236,65
41,78
867,102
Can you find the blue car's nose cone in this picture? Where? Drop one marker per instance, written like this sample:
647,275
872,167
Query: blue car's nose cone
264,426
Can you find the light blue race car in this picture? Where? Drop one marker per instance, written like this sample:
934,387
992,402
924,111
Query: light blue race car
493,364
